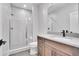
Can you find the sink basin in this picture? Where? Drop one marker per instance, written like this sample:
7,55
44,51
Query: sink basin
68,38
60,38
63,39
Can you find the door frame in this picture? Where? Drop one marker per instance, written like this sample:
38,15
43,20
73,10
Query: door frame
0,27
5,16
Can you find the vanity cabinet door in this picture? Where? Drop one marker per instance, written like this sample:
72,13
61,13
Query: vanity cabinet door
47,50
50,51
58,53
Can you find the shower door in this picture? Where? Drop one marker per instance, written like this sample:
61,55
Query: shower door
18,29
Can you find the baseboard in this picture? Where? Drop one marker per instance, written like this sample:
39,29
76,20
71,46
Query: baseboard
18,50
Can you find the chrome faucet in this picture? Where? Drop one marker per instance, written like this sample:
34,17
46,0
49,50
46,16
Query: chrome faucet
64,34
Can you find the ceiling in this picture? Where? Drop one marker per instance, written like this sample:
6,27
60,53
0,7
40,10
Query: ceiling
23,5
28,5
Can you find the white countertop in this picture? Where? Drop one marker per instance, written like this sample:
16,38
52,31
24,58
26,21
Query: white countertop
72,41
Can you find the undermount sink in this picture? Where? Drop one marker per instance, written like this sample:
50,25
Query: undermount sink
68,38
63,38
60,37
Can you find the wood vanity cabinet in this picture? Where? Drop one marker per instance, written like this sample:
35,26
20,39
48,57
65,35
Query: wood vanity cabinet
50,51
48,47
40,46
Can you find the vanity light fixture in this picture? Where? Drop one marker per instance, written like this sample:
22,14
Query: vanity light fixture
25,5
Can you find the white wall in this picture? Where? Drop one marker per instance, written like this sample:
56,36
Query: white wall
5,16
43,18
62,17
39,15
5,27
35,21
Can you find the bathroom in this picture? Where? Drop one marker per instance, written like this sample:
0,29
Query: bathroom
27,29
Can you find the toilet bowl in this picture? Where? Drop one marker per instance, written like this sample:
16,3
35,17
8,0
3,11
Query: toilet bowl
33,48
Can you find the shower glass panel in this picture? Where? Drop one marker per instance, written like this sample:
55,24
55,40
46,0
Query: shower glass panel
20,28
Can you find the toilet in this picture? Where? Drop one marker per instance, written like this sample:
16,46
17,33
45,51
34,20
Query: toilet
33,48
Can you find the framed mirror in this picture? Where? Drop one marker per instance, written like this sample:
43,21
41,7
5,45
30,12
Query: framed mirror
63,16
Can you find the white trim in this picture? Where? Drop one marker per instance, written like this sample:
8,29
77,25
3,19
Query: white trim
18,50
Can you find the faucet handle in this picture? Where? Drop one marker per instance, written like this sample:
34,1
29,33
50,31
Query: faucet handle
67,31
63,31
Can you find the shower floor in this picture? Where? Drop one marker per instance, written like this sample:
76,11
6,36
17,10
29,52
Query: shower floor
23,53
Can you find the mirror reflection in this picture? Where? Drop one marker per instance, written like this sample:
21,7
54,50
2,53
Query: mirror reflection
63,16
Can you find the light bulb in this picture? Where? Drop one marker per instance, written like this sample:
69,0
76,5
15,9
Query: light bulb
25,6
